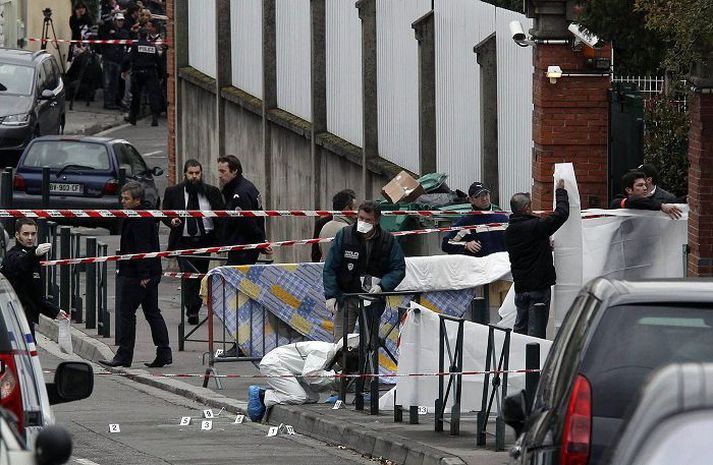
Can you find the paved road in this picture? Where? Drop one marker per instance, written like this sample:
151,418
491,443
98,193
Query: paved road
149,420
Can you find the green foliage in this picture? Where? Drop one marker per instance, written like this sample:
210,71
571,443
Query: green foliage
637,50
514,5
666,142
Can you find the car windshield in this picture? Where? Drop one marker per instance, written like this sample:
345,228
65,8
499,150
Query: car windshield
633,340
56,154
16,79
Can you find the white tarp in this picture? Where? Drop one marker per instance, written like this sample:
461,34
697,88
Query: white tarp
419,342
454,272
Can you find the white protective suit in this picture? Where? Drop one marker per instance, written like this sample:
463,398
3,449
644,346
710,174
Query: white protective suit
308,360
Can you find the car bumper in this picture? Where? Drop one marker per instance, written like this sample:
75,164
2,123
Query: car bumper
21,200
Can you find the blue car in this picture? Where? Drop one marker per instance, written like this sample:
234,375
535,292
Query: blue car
84,174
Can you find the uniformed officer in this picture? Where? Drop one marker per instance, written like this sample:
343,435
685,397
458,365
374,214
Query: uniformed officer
144,62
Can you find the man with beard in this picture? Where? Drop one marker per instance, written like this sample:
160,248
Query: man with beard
240,194
192,233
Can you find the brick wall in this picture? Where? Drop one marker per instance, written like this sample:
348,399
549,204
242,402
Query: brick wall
569,124
700,186
171,91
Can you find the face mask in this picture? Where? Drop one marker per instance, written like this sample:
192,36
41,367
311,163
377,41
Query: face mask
364,227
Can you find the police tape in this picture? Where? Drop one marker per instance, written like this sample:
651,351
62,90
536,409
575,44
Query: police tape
99,214
91,41
181,275
259,246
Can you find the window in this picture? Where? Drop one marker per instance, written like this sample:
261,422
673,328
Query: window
16,79
127,157
52,78
58,154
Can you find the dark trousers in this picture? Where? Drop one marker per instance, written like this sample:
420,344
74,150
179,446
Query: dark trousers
133,295
192,287
243,257
532,318
112,76
140,79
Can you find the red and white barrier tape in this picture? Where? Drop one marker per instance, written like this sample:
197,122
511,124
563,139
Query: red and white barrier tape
181,275
90,41
260,246
220,213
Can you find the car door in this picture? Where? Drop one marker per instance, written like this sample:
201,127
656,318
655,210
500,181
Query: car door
43,110
128,157
53,109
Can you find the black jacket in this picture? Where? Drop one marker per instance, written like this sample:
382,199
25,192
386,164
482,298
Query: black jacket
174,199
638,203
22,268
241,194
142,57
114,53
139,235
527,239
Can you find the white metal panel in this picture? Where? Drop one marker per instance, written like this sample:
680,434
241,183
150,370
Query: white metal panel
397,84
344,93
460,25
293,57
514,108
246,45
201,36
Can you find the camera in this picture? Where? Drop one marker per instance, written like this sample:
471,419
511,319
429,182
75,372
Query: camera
47,12
518,34
583,35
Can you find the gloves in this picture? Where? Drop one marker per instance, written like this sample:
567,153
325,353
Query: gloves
332,305
375,289
42,249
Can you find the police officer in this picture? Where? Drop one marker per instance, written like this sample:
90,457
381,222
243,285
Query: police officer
144,62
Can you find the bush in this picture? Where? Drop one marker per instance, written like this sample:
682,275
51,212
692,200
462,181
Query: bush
666,141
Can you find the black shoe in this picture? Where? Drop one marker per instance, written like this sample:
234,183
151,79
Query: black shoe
130,120
192,319
115,363
158,363
154,121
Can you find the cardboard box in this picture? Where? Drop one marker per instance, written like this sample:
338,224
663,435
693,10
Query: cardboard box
403,188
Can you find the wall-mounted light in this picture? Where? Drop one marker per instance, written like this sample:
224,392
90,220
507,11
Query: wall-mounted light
554,73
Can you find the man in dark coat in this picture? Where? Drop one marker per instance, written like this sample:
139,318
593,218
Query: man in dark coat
192,233
21,266
144,62
112,60
527,239
637,196
140,283
240,194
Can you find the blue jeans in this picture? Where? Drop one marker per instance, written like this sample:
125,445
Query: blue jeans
112,74
532,318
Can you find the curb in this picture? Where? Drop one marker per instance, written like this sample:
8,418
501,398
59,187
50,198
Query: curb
95,128
350,434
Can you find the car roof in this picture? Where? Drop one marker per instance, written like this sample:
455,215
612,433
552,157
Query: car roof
672,290
21,57
89,139
672,390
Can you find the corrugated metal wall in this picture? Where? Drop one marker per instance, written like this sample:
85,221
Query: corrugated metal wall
201,36
397,73
293,57
460,24
344,95
514,108
246,39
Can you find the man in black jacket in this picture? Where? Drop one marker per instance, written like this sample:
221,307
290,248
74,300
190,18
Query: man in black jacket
192,233
21,266
112,59
527,239
240,194
144,62
638,196
140,283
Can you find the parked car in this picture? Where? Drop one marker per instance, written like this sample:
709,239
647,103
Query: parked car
32,100
615,334
54,444
672,420
84,174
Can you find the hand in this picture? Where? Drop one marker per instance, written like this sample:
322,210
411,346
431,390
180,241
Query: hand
144,282
375,289
473,246
176,222
42,249
671,210
62,315
124,75
332,305
560,184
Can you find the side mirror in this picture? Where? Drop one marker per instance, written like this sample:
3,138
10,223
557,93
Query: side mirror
515,412
156,171
53,446
72,381
47,94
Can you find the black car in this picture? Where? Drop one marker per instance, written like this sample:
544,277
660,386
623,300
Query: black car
32,98
615,335
672,420
84,174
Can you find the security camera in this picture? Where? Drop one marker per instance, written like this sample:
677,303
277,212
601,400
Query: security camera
518,34
583,35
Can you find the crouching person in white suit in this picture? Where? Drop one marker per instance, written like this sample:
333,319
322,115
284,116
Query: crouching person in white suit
297,373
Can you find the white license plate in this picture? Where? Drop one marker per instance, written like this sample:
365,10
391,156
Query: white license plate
68,188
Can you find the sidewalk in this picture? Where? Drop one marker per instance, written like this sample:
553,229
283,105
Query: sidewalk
377,436
89,120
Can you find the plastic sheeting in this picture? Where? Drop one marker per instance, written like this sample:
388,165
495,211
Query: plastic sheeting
454,271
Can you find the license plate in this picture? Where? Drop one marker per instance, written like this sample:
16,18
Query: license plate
66,188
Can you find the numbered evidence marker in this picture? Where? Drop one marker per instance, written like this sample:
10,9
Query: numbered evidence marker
337,405
290,429
272,431
422,410
207,425
185,421
239,419
218,352
114,428
208,413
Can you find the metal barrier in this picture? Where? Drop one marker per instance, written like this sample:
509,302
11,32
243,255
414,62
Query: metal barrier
455,382
499,387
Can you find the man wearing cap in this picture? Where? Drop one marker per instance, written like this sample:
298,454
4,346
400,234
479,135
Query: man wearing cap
470,242
112,59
